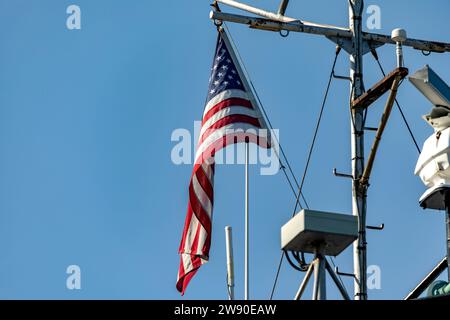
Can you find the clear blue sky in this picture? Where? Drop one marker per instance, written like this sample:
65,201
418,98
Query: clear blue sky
85,171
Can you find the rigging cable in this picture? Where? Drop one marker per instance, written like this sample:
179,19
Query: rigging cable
282,166
283,154
311,149
375,55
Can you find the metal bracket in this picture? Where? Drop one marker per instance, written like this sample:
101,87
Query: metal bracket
377,228
341,175
342,77
370,129
347,44
344,274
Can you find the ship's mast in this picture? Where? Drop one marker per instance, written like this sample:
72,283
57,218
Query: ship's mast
356,43
359,204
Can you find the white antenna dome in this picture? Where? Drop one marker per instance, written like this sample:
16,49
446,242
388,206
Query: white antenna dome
399,35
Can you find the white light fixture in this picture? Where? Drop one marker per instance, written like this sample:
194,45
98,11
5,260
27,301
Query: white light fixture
431,86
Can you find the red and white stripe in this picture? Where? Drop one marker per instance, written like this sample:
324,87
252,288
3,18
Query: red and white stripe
226,113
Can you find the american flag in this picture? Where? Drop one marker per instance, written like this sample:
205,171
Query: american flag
230,107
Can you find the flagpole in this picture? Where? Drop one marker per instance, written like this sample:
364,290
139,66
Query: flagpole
249,88
246,295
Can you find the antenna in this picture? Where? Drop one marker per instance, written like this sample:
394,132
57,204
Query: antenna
230,262
399,36
356,43
320,233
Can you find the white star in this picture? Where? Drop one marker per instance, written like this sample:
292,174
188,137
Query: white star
238,82
225,82
219,58
220,74
228,60
230,77
216,83
224,67
233,71
212,91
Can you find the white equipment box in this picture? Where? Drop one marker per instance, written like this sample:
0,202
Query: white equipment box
310,230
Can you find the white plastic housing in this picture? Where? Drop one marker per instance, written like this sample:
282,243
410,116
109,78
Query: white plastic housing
311,229
433,166
399,35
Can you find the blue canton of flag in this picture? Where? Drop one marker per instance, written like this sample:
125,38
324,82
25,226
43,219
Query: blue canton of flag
224,75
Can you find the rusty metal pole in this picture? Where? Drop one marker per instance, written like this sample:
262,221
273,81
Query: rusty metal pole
383,122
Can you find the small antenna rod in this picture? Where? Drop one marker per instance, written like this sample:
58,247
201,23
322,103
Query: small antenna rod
230,262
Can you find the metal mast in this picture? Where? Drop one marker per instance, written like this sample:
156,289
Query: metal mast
357,142
356,43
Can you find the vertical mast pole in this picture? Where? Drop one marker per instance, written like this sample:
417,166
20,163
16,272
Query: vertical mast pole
357,143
